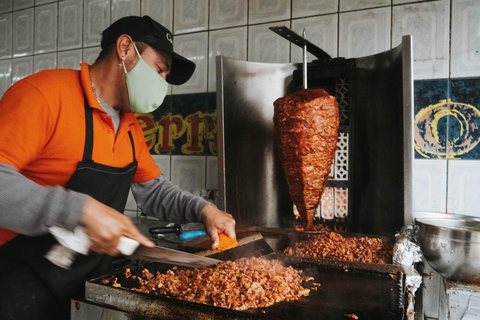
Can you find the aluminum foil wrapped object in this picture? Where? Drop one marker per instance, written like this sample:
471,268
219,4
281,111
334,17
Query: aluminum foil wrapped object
406,252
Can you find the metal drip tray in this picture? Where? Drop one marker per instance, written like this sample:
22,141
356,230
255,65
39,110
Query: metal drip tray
369,293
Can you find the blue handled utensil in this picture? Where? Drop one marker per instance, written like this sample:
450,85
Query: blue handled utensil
178,233
192,234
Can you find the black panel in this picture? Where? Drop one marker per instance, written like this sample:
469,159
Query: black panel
378,151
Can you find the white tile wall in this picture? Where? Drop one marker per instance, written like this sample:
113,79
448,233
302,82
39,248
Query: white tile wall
70,24
306,8
6,6
261,11
5,36
44,61
405,1
45,28
321,30
231,43
90,54
161,13
123,8
349,5
363,33
21,67
239,29
267,46
188,172
363,27
96,15
463,187
190,16
193,47
430,185
164,164
40,2
23,32
228,13
465,37
428,22
22,4
70,59
5,75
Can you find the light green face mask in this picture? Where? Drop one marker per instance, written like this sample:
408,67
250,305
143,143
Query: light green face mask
146,88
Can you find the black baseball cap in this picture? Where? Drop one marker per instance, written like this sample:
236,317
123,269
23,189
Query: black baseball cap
145,29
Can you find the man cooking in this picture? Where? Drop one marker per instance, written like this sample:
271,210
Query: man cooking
71,149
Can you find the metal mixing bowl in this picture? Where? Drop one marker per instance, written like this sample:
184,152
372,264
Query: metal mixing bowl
451,245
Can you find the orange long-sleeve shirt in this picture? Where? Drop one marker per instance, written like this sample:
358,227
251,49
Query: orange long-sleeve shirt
42,130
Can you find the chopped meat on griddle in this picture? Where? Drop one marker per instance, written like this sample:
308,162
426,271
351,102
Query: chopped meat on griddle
332,245
306,125
240,285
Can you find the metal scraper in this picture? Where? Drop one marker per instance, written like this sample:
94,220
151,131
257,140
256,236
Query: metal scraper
247,247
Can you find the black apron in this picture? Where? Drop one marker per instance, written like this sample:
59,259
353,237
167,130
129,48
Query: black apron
31,287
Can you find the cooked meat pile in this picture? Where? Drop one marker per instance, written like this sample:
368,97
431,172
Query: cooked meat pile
306,125
316,226
240,285
333,246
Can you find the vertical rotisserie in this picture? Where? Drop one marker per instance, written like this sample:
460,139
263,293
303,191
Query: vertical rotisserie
306,126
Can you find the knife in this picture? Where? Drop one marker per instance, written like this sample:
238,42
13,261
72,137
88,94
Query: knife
76,241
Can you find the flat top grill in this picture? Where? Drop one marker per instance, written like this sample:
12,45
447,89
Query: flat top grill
372,293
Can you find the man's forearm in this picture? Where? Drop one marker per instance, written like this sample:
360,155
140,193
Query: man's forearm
29,208
164,200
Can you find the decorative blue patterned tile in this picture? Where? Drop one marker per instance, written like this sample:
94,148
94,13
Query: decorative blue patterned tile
464,116
429,134
465,90
447,118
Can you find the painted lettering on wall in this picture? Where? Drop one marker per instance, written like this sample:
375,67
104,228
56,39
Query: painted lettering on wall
446,130
198,130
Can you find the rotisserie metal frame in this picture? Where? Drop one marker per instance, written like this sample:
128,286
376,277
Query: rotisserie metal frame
377,117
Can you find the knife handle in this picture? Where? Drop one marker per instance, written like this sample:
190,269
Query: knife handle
162,230
192,234
127,246
78,241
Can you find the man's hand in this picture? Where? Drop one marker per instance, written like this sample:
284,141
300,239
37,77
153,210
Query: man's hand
217,221
104,226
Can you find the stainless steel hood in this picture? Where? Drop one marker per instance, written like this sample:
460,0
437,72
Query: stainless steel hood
252,186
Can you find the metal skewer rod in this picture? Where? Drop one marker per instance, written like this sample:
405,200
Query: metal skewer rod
305,85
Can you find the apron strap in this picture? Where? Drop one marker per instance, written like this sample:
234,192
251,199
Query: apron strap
133,144
88,149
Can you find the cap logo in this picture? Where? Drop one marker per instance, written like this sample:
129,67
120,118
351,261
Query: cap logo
169,38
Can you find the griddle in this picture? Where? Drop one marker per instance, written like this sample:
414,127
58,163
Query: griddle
346,288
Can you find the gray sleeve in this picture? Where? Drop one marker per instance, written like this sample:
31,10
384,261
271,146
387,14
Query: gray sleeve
29,208
162,199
